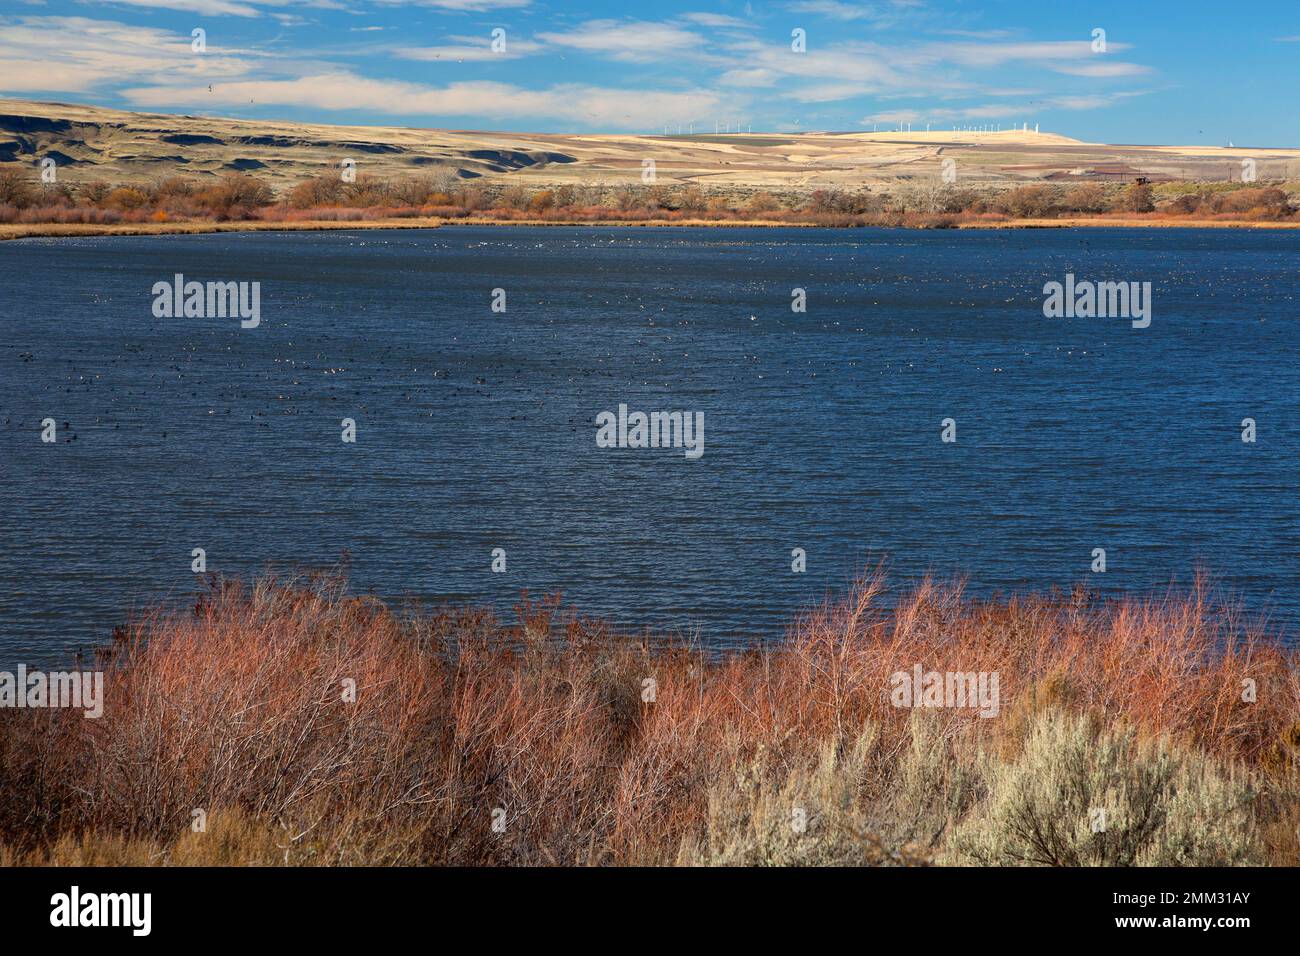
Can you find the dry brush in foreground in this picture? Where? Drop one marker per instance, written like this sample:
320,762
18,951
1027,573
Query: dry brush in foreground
792,754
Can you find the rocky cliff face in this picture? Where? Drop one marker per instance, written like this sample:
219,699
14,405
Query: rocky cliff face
90,143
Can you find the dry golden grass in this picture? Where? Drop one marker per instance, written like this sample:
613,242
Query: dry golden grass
240,709
140,147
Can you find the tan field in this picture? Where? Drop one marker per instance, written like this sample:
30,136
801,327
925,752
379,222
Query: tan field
124,147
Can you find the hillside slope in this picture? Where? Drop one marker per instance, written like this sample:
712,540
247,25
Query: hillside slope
117,146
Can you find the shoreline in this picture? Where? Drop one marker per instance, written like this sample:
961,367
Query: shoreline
55,230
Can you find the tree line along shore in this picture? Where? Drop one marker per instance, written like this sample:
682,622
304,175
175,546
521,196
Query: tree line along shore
241,200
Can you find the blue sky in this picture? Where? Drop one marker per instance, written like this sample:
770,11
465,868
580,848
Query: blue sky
1171,72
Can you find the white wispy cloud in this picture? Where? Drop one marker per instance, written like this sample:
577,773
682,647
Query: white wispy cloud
879,14
629,40
1101,68
834,9
1043,52
462,6
719,21
207,8
230,8
573,103
468,50
846,69
864,67
77,54
1000,111
978,34
730,69
753,76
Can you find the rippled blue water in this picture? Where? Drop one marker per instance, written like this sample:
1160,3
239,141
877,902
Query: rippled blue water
476,430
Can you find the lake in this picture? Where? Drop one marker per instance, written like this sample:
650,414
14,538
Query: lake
476,429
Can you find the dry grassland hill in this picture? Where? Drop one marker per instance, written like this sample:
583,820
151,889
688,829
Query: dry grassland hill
124,147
